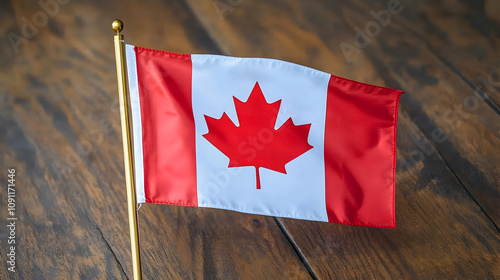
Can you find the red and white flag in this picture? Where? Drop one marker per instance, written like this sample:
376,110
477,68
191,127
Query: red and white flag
262,136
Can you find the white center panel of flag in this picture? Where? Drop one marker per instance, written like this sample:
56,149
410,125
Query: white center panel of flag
300,193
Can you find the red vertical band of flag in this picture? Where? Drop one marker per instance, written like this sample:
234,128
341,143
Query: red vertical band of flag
360,153
164,81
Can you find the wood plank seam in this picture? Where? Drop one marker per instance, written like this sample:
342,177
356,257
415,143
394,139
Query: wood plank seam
112,251
395,84
485,97
465,188
296,248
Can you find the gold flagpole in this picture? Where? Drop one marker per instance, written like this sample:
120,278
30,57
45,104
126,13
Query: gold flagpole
127,148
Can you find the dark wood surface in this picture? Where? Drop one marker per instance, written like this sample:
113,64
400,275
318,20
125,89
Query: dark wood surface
60,130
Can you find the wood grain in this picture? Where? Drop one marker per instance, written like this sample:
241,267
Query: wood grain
464,36
60,130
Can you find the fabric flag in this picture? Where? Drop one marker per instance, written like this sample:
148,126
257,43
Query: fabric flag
262,136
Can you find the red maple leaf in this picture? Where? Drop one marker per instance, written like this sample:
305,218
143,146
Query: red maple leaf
255,142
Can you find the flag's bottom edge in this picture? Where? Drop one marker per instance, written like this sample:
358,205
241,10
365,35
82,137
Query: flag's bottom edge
270,215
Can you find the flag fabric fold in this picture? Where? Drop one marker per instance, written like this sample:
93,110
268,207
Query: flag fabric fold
262,136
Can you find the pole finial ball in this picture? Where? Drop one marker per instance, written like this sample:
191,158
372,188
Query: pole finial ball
117,25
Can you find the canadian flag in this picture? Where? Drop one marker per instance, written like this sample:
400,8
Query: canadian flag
262,136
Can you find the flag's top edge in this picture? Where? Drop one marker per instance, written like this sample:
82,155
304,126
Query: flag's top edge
381,88
141,49
291,64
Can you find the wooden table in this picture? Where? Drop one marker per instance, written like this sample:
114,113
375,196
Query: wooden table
60,130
